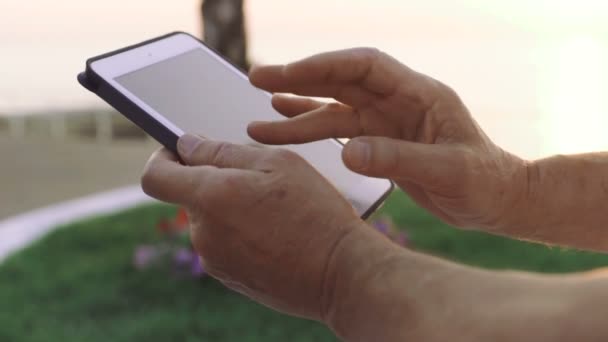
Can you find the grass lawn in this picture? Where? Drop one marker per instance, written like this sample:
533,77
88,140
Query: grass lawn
77,284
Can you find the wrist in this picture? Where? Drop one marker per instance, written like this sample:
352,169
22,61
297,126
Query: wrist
355,270
519,210
562,194
378,291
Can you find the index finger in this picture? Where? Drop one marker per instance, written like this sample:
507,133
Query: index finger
372,70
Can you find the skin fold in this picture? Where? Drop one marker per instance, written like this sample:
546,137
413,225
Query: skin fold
269,226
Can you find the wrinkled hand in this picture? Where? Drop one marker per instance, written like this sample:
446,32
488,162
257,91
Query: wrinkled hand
404,126
263,220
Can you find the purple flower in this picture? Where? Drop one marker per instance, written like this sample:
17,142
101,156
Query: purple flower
183,257
196,268
382,226
144,255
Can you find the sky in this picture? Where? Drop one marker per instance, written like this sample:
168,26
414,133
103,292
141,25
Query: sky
534,73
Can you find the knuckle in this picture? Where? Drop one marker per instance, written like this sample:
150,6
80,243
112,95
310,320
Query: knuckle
221,152
445,90
448,91
376,57
368,52
442,98
369,56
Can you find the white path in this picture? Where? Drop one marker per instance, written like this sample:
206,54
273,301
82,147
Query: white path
19,231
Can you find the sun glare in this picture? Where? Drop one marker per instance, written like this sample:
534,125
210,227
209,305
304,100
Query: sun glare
574,101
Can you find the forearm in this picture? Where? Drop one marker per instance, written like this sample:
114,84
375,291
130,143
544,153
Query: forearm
383,292
566,202
399,295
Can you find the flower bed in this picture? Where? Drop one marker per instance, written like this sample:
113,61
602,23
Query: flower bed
81,282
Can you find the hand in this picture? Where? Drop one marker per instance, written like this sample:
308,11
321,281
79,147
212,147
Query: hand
404,126
263,220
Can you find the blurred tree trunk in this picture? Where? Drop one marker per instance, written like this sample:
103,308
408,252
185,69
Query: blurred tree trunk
224,29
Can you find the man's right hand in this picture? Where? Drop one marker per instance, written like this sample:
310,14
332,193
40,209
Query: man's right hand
404,126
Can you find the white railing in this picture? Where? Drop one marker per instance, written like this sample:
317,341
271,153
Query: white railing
56,125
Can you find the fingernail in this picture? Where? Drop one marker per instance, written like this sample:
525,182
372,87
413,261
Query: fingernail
359,153
188,143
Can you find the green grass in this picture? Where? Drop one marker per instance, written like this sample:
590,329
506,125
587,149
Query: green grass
479,249
77,284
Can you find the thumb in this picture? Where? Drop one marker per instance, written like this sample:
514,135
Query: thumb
196,151
426,164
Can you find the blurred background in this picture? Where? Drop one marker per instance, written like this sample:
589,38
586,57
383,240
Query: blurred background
533,72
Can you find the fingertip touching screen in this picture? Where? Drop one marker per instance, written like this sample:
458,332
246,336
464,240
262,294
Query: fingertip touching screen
200,94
